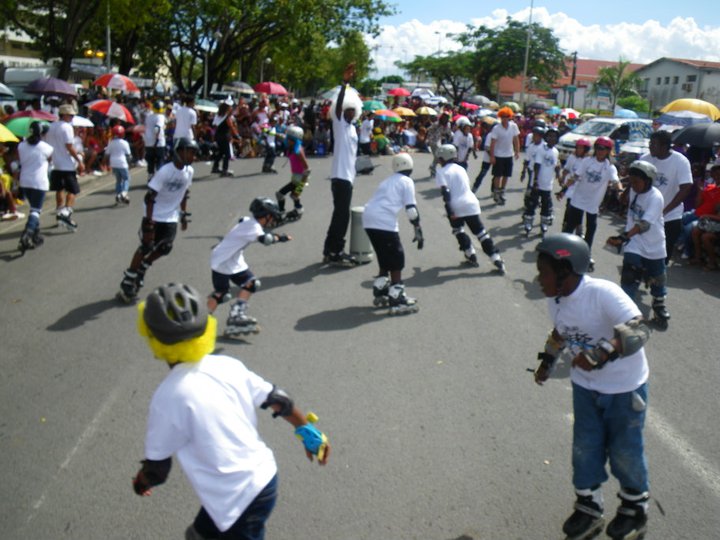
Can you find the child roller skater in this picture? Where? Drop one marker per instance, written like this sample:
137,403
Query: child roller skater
204,413
545,165
117,154
570,170
165,206
605,333
381,225
300,172
228,265
643,240
463,208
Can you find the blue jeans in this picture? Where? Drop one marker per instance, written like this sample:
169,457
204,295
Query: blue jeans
251,523
122,180
689,220
651,268
609,426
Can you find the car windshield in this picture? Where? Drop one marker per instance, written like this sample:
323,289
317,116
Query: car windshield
595,129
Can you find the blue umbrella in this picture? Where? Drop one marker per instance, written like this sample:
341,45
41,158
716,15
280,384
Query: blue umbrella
625,113
683,118
553,110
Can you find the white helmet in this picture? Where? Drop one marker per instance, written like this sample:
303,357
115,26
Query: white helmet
463,121
402,162
296,132
446,152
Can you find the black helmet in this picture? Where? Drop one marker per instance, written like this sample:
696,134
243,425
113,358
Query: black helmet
569,247
175,312
539,130
182,143
264,206
540,123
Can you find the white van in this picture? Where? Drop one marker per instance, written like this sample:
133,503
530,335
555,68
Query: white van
636,130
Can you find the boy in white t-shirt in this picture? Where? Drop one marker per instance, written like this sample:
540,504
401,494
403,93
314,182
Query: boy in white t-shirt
462,208
644,240
117,154
205,413
545,165
604,332
228,264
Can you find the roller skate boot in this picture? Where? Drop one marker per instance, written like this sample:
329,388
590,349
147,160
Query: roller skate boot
239,323
499,264
280,200
630,522
587,519
65,220
381,286
527,225
37,239
25,243
128,287
661,315
341,260
400,303
501,197
471,259
295,214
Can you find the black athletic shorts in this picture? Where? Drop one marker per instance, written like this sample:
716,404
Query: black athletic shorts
221,282
503,166
389,250
64,181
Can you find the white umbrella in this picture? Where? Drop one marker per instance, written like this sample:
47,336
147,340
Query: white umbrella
6,92
81,121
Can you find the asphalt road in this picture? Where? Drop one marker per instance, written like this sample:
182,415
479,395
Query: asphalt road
438,431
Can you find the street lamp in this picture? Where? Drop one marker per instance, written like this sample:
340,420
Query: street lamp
262,66
527,54
439,35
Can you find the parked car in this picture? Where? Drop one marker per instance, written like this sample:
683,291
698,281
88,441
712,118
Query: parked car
635,131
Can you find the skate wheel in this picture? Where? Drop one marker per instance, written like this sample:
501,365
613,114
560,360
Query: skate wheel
123,298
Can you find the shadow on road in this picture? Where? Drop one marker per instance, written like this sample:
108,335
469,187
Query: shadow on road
430,277
303,275
82,314
340,319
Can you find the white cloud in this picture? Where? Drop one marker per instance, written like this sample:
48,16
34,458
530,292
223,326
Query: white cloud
639,43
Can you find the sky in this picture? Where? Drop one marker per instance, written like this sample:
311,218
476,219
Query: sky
637,30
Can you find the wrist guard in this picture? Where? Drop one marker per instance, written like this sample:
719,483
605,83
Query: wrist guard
147,226
314,440
184,217
282,237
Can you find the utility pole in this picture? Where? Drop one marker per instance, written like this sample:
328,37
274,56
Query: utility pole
527,55
573,87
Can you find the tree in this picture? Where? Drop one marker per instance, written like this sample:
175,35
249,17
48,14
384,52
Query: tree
452,72
618,80
635,103
500,52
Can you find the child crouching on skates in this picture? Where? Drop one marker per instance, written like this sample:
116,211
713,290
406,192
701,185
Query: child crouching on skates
228,264
300,172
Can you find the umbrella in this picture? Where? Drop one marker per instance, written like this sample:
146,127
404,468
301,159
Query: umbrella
117,82
112,109
399,91
426,110
625,113
553,110
404,111
512,105
701,135
480,100
52,86
206,105
272,88
458,117
37,115
6,135
492,105
469,106
695,105
372,105
570,113
538,105
242,87
587,116
683,118
6,92
422,92
21,126
388,115
81,121
485,112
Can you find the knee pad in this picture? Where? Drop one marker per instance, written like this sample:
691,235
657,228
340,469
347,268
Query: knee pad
252,285
658,281
221,297
630,275
164,248
463,240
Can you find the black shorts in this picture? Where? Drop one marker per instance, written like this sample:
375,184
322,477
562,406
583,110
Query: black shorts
64,181
503,166
221,282
389,250
164,234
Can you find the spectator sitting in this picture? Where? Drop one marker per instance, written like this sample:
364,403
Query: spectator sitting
705,236
8,210
380,143
321,140
706,204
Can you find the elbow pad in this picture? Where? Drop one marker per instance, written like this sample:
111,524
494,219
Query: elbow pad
412,214
632,335
279,397
445,194
643,225
267,239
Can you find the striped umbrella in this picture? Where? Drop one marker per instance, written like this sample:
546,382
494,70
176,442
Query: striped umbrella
112,109
117,82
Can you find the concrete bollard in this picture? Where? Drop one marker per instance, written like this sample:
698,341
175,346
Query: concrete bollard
360,246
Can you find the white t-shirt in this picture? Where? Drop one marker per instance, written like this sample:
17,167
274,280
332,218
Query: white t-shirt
486,147
155,130
464,143
171,184
185,119
366,129
528,142
593,179
531,151
589,313
118,151
648,207
504,139
59,136
227,257
548,159
345,149
34,165
463,201
572,165
392,195
673,172
206,414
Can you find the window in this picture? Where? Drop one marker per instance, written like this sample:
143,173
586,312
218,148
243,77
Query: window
667,80
691,78
658,80
676,79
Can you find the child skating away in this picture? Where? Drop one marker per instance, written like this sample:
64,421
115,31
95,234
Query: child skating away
381,225
570,171
228,264
463,208
299,171
117,154
533,140
546,166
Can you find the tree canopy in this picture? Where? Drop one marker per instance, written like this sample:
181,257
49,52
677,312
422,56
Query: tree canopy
619,80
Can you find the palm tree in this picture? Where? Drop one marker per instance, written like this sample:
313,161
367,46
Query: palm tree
619,81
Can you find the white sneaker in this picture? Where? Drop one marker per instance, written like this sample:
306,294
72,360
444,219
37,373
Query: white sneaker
142,163
97,173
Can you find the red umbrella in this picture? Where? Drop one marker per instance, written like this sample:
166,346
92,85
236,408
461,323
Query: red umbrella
399,91
112,109
273,88
116,81
38,115
469,106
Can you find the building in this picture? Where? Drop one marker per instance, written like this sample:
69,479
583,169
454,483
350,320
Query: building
668,79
